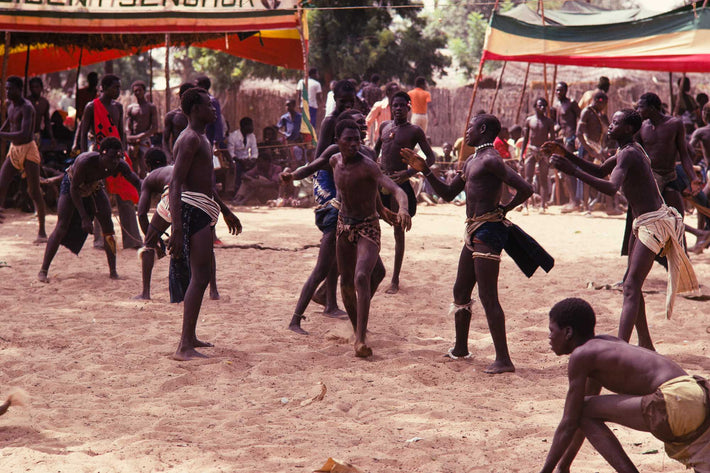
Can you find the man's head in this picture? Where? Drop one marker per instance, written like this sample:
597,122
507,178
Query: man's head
706,113
138,88
400,104
92,79
483,129
13,88
155,158
516,132
420,82
347,135
203,82
648,104
356,116
572,323
375,79
624,124
561,90
270,133
391,89
313,73
684,83
36,86
603,84
111,86
196,104
600,100
447,148
291,106
184,88
246,125
540,106
702,99
110,152
504,134
344,95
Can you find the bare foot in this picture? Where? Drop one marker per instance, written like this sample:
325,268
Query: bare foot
319,295
141,297
393,289
335,313
187,354
42,276
362,350
40,239
114,275
201,344
214,295
498,367
294,327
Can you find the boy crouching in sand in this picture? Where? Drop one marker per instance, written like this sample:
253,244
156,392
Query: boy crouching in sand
357,181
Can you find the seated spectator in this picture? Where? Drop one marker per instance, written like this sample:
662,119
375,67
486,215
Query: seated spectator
243,150
259,184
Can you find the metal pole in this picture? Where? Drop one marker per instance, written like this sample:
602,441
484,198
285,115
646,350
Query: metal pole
500,81
554,87
522,94
470,108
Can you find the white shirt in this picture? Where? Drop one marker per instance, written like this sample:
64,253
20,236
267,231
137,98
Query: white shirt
239,150
314,89
329,103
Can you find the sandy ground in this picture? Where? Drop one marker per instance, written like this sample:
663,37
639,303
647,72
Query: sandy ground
106,397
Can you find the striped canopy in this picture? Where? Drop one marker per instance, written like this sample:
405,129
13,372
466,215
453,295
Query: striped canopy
676,41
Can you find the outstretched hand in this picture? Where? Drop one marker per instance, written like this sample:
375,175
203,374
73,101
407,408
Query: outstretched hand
552,147
562,164
286,177
411,157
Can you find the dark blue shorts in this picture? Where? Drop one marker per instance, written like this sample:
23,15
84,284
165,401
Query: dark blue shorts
390,202
327,218
492,234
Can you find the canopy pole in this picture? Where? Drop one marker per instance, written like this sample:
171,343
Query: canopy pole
552,92
670,86
500,81
676,108
150,85
522,94
76,89
304,52
167,72
470,108
5,61
27,70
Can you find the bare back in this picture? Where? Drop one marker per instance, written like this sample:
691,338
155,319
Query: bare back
195,150
661,142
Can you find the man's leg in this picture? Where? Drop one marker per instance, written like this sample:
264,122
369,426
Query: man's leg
7,172
130,235
367,255
214,293
33,188
65,210
529,174
147,254
487,277
331,308
346,254
201,252
326,259
463,287
544,178
633,312
398,259
103,215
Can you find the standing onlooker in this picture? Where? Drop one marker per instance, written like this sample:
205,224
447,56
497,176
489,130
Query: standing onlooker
588,97
86,94
242,147
330,98
290,126
315,96
214,131
380,113
372,92
41,106
421,99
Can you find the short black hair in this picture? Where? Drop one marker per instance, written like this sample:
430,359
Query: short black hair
391,89
420,81
108,80
246,121
401,94
92,78
155,158
344,125
110,142
600,96
541,99
651,100
203,81
312,71
632,117
575,313
343,87
563,84
702,98
139,83
375,78
492,124
348,114
603,83
190,98
16,81
36,80
184,87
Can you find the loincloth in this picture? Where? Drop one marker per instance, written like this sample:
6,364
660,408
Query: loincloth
354,229
18,154
76,236
678,413
534,153
202,202
661,232
666,180
163,207
491,229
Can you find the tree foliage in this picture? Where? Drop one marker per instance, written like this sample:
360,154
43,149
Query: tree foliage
364,37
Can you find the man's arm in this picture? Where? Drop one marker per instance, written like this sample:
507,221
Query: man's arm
505,173
574,405
596,170
76,181
446,191
125,170
405,220
26,128
48,124
233,224
167,133
326,135
144,205
686,160
321,162
87,123
121,131
610,187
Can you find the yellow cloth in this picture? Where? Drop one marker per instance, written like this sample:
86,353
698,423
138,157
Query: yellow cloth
661,231
18,154
163,207
695,455
686,408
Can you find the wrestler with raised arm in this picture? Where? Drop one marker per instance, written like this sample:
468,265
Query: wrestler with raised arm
82,197
194,210
23,155
358,180
483,176
651,393
655,224
394,135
